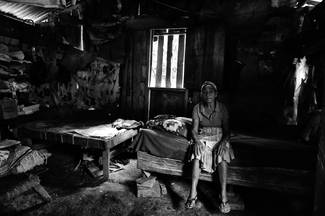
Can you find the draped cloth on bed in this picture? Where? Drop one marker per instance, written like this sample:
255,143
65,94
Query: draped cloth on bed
161,143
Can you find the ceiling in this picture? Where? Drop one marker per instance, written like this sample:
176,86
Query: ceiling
250,19
36,11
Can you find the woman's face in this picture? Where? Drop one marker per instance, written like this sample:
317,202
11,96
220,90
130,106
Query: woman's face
208,94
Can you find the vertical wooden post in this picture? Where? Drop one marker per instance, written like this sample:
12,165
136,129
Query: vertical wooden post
180,65
169,61
106,163
160,54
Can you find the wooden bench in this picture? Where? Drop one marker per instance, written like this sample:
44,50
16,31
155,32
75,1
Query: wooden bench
15,185
282,180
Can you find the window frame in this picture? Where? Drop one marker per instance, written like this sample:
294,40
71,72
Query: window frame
168,85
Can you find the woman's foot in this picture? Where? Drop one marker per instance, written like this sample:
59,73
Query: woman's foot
224,207
190,203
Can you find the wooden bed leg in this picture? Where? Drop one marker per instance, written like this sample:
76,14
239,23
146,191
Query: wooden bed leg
106,163
42,193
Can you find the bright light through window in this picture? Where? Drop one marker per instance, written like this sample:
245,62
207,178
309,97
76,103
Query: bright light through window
167,58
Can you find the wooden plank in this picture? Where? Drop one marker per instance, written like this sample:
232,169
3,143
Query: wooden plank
287,181
194,57
168,101
140,74
65,138
76,139
121,138
126,89
277,179
214,49
218,55
160,55
106,163
161,165
180,61
169,61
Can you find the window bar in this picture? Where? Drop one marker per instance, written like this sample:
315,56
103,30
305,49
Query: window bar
169,61
180,59
159,60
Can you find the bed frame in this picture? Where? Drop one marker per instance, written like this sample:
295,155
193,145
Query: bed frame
110,147
285,181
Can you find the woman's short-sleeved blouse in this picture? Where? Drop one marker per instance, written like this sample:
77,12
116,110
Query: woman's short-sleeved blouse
215,119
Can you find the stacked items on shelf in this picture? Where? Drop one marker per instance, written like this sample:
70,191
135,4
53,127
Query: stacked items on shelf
13,81
22,110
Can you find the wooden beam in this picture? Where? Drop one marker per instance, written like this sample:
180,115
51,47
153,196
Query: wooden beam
159,60
180,58
169,61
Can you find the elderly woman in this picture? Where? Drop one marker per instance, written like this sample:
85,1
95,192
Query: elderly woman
211,143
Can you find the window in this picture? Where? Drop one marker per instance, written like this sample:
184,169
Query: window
167,58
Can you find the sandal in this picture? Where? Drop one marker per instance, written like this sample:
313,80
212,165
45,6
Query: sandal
190,203
224,207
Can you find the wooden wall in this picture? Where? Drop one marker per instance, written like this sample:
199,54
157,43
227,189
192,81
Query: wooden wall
319,207
204,61
205,48
134,101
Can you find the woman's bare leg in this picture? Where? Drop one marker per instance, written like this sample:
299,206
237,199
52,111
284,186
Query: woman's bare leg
222,169
196,171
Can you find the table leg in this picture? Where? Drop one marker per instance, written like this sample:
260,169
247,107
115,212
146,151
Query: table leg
106,163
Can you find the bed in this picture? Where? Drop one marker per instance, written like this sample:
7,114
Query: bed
105,135
286,166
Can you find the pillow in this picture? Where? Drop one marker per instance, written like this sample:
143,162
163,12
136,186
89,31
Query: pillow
181,126
172,125
186,129
159,120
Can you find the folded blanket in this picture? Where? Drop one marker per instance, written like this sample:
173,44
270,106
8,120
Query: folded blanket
20,159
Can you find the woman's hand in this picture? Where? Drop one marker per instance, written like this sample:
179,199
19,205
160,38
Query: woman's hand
221,148
199,147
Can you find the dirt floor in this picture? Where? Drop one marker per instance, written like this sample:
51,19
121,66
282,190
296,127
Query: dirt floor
77,193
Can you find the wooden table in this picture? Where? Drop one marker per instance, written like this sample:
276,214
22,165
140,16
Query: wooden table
52,132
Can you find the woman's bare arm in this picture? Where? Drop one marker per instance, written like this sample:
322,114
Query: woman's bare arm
195,129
